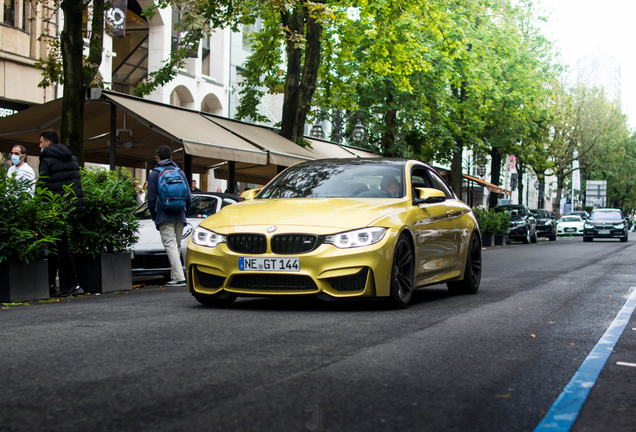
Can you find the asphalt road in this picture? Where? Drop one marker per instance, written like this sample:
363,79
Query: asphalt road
153,359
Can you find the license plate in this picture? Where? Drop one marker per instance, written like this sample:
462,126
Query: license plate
570,229
604,232
269,264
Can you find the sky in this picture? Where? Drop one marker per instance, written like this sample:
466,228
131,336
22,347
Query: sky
581,26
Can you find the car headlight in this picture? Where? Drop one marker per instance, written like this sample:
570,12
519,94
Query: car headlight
589,226
548,223
619,226
205,237
187,230
356,238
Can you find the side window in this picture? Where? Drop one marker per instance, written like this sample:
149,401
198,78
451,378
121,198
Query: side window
202,206
227,201
438,183
419,178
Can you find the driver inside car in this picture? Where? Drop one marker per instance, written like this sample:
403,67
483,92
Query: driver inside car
391,186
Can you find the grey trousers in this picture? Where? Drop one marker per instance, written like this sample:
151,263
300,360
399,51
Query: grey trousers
171,233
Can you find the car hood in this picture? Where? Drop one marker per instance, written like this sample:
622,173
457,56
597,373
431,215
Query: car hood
332,213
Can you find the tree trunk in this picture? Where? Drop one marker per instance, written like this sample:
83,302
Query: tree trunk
559,191
295,22
495,174
301,77
77,76
309,76
456,169
388,137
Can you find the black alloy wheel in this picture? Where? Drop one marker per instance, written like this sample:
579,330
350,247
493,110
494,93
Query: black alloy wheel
472,272
402,273
526,240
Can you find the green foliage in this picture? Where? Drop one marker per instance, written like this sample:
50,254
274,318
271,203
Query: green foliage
108,224
28,225
492,222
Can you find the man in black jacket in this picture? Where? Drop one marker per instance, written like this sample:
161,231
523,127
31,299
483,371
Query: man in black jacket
59,168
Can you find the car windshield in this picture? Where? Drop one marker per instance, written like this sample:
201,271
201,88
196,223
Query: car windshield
606,216
514,212
338,179
571,219
202,207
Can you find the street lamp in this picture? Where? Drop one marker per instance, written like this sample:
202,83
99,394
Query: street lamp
337,120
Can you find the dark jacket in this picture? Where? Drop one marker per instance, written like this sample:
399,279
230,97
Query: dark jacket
160,215
59,168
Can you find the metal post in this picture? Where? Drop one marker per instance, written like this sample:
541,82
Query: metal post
113,135
231,182
338,125
187,167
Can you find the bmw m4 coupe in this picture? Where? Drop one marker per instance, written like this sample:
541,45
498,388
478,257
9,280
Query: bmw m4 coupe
338,229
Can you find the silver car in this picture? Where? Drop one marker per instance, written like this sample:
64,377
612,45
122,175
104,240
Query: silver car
148,255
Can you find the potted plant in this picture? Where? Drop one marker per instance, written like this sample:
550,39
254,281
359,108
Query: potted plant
486,226
29,227
103,235
501,222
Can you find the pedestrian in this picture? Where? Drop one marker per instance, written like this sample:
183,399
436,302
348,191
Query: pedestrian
59,168
219,190
168,221
193,187
20,168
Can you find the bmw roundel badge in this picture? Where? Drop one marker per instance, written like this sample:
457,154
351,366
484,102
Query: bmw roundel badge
271,229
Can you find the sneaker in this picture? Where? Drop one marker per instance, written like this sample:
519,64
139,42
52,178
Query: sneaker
53,291
73,291
175,283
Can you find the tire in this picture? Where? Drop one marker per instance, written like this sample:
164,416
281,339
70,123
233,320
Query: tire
526,240
588,239
216,302
534,239
624,239
553,236
472,272
402,274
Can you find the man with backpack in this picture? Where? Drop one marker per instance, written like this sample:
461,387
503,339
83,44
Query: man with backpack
168,200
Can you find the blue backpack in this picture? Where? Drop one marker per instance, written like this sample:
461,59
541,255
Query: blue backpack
172,189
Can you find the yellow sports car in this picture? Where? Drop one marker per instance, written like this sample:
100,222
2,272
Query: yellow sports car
338,229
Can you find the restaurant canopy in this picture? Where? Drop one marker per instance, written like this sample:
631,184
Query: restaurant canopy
124,130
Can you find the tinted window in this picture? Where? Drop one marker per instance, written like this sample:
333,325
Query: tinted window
440,184
512,210
606,216
334,179
202,207
227,201
571,219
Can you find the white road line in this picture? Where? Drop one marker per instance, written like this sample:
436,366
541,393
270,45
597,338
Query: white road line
626,364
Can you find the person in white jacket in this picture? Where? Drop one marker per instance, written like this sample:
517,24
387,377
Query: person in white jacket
20,168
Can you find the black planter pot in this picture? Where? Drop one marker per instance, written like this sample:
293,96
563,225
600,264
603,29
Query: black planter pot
486,240
106,272
22,282
500,240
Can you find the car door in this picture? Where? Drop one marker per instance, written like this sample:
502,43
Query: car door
436,246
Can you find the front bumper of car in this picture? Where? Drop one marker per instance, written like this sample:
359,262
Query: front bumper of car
326,271
605,232
543,230
565,231
518,231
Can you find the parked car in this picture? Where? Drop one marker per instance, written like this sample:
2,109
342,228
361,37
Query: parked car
523,226
606,223
584,215
148,255
570,225
546,225
339,229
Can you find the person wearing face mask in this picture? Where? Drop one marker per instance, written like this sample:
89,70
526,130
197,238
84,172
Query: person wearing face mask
20,168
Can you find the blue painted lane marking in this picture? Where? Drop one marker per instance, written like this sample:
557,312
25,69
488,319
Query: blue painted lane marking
567,407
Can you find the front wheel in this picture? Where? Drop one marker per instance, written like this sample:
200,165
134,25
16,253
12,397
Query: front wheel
534,237
624,239
588,239
472,272
553,236
402,274
526,239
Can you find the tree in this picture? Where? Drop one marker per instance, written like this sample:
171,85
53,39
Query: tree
78,71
